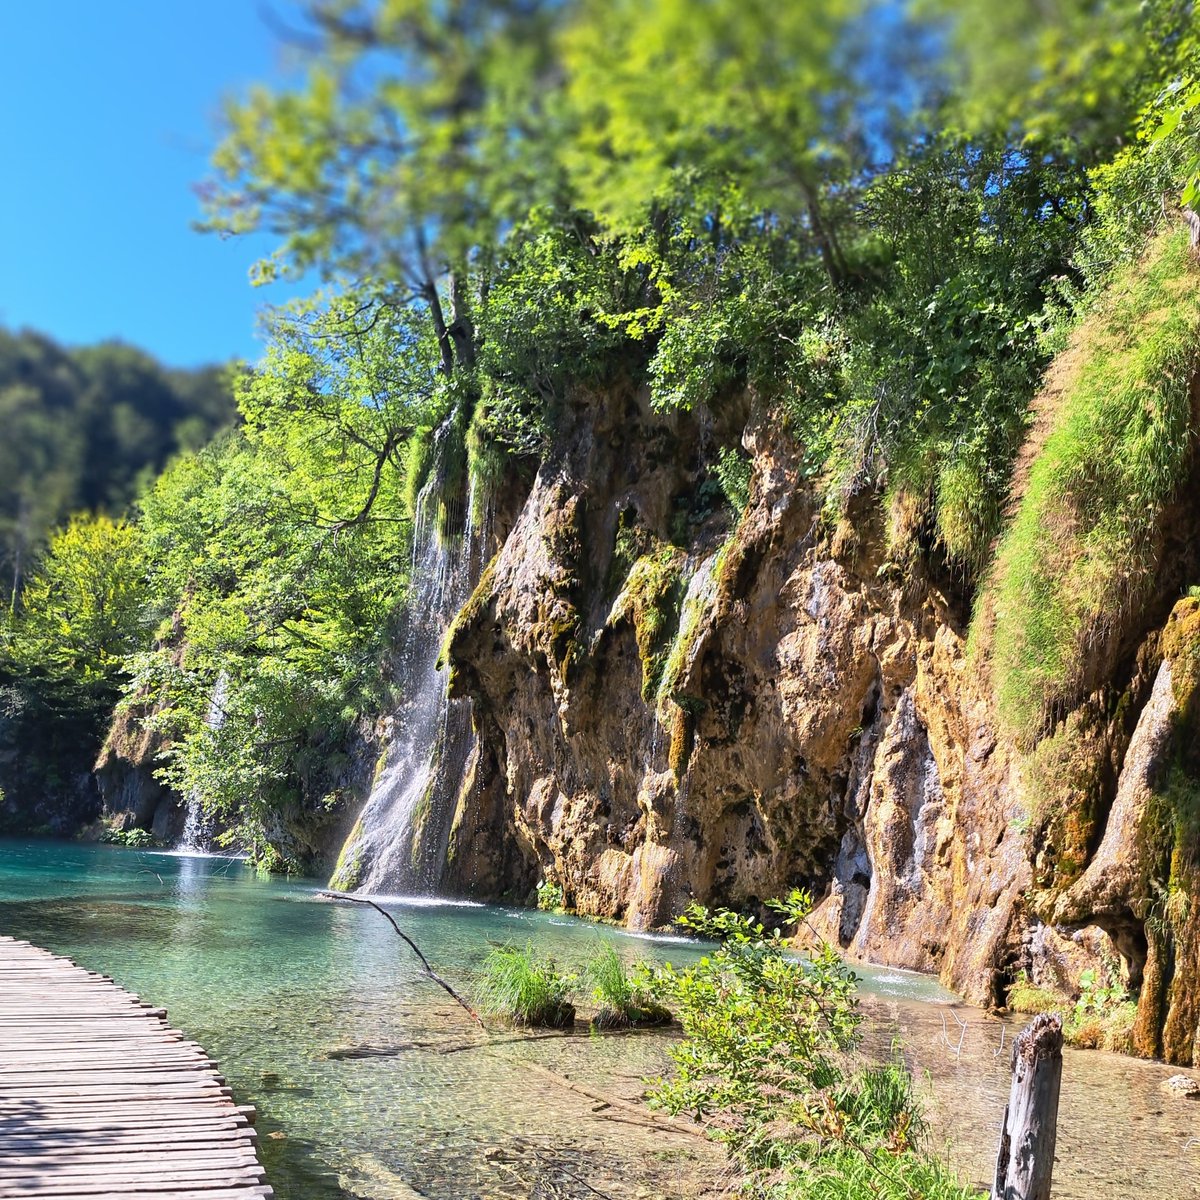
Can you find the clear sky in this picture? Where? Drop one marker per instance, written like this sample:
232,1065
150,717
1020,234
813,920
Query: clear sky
108,113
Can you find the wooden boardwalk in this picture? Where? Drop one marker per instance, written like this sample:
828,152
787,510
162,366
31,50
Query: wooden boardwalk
100,1097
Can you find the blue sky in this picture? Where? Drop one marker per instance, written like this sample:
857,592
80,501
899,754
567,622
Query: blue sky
108,113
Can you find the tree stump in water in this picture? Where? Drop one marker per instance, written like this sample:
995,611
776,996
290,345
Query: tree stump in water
1025,1161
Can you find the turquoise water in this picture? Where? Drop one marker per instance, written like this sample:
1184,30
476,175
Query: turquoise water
271,980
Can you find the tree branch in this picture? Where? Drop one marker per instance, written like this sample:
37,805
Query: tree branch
427,969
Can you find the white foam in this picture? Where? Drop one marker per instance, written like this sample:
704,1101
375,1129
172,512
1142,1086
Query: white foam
416,901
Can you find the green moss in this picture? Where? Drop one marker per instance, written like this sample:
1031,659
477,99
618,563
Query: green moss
1109,1030
683,740
1024,997
466,616
650,599
1079,557
1100,1019
347,873
691,617
418,458
488,462
1065,786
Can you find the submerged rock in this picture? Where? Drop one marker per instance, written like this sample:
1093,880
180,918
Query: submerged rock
1182,1086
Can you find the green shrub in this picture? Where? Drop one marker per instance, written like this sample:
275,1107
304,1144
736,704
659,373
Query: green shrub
549,896
733,471
523,987
622,995
766,1057
1101,1018
139,839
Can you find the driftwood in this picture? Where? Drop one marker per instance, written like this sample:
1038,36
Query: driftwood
1025,1160
438,1046
426,969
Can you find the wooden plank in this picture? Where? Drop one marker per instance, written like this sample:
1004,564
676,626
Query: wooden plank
100,1097
51,1192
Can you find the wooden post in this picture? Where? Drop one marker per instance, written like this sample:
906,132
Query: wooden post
1025,1160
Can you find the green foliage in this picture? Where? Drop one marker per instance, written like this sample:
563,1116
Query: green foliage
84,609
83,429
136,839
623,997
1081,550
944,358
765,1058
553,321
733,471
1063,73
1026,997
526,988
549,896
725,108
281,555
754,1020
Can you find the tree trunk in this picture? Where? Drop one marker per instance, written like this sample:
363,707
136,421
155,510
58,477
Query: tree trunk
1025,1161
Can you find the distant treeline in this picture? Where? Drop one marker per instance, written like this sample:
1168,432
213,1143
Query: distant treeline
85,429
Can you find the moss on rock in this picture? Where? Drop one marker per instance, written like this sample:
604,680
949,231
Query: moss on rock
650,600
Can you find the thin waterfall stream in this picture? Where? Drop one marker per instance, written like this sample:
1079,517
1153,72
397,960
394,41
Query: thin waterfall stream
198,825
399,842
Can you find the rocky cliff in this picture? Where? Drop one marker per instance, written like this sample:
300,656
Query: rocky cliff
674,703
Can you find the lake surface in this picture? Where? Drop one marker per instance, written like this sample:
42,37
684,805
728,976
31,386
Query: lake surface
270,979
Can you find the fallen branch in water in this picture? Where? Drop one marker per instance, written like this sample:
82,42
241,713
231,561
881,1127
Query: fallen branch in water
640,1115
395,1049
426,968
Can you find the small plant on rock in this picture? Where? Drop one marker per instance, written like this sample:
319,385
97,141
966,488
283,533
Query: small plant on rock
549,896
526,988
622,995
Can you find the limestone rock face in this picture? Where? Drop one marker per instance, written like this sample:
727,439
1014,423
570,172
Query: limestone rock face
1114,882
124,773
809,718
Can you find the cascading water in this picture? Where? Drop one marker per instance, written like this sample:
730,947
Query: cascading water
197,826
399,843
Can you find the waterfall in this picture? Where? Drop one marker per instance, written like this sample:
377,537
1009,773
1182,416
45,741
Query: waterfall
399,843
197,825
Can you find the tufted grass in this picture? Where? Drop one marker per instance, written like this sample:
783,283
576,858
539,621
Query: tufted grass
520,985
621,998
1080,554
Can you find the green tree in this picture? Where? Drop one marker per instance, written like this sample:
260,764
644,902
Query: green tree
280,556
84,608
83,431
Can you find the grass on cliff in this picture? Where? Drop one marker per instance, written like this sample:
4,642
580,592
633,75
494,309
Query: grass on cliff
1081,552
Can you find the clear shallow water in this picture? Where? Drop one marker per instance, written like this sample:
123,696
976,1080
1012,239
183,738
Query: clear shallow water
271,979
